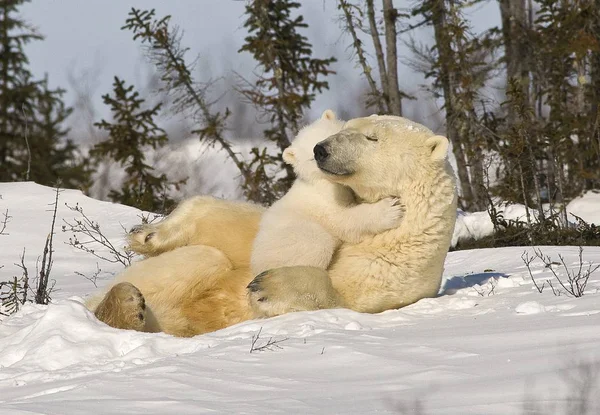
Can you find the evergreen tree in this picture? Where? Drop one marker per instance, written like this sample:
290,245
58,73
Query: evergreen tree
287,86
132,132
33,144
53,159
162,45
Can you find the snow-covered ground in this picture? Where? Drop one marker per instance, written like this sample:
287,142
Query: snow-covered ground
489,344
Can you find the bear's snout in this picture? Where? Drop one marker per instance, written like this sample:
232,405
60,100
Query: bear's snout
320,152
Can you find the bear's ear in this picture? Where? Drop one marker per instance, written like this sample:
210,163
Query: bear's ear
328,115
289,155
438,145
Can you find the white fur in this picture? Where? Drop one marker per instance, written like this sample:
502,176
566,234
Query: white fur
196,280
307,225
388,156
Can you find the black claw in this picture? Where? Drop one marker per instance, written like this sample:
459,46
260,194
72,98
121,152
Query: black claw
255,284
149,236
136,229
262,299
143,304
141,316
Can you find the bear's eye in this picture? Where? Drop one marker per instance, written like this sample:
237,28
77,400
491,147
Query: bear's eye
371,138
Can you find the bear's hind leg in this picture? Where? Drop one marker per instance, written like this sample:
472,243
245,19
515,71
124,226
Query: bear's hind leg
288,289
123,307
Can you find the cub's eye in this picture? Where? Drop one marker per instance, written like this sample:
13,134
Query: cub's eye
371,138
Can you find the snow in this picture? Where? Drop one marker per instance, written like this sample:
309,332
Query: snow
476,225
489,344
587,207
206,167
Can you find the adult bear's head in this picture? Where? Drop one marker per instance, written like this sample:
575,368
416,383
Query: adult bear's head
379,156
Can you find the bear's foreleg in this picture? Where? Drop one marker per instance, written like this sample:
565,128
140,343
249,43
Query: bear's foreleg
288,289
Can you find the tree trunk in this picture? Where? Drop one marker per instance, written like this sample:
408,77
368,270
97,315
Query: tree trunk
385,88
390,14
477,180
514,22
438,17
595,101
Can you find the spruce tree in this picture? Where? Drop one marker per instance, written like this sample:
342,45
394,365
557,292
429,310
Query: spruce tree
53,159
132,132
33,144
290,79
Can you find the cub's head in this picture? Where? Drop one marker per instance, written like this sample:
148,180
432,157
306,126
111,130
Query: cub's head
300,154
379,156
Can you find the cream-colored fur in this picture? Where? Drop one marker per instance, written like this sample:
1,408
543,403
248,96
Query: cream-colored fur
378,157
194,283
202,220
194,279
307,225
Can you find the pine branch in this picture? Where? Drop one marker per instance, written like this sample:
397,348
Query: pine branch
346,7
165,52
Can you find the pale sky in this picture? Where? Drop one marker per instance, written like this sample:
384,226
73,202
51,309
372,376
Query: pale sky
85,35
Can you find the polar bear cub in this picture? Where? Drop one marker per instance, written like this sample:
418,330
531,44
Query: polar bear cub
309,222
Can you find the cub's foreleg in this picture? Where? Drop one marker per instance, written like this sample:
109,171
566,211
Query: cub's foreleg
355,223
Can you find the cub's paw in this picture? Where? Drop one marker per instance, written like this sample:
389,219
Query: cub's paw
123,307
144,239
390,212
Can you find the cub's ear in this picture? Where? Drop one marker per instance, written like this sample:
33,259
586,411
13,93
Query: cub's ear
438,146
289,155
328,115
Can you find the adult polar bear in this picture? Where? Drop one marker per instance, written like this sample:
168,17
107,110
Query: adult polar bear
197,277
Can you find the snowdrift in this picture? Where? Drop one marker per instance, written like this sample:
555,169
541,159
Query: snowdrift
489,344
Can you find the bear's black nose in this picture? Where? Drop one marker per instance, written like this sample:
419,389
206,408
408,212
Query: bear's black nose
321,153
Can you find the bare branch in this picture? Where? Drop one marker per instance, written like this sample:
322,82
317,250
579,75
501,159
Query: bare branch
574,282
94,236
94,276
42,292
25,277
4,222
528,260
271,344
